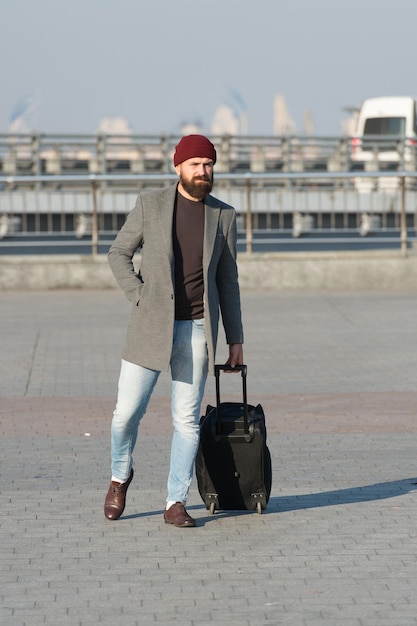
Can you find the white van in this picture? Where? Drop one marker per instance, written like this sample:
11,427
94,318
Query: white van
386,137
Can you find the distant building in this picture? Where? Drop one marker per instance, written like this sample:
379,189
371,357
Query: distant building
348,125
283,122
225,121
191,128
308,123
114,126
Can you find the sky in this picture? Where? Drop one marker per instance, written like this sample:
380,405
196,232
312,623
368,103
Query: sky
162,63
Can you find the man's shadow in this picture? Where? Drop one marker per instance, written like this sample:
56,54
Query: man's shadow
282,504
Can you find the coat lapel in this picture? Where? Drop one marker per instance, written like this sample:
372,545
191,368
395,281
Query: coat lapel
166,212
212,214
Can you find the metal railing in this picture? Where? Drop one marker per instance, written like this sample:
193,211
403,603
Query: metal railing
38,154
299,204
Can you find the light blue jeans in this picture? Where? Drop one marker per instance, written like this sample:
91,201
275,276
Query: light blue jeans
189,374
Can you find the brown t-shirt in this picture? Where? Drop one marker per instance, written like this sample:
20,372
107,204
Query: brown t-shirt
187,237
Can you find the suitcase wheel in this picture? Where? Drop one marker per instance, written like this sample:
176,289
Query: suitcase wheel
212,501
259,499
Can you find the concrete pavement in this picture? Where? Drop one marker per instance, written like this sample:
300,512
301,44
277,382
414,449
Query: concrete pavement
336,374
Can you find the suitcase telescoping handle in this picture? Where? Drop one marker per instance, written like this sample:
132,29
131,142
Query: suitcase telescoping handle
243,371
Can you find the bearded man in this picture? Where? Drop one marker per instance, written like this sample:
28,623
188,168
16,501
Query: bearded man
187,278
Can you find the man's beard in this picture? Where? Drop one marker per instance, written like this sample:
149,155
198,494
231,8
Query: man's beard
198,187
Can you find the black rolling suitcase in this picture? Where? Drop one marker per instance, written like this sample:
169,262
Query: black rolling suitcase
233,464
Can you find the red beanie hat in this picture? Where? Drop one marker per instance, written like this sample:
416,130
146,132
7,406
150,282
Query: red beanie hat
194,146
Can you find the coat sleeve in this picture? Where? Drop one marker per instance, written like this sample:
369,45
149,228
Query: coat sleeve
120,255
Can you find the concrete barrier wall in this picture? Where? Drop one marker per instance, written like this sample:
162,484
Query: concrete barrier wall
279,272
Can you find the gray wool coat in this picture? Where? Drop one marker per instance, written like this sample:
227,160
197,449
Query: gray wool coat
148,228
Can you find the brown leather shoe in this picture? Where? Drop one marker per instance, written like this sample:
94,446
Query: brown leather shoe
115,501
177,515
